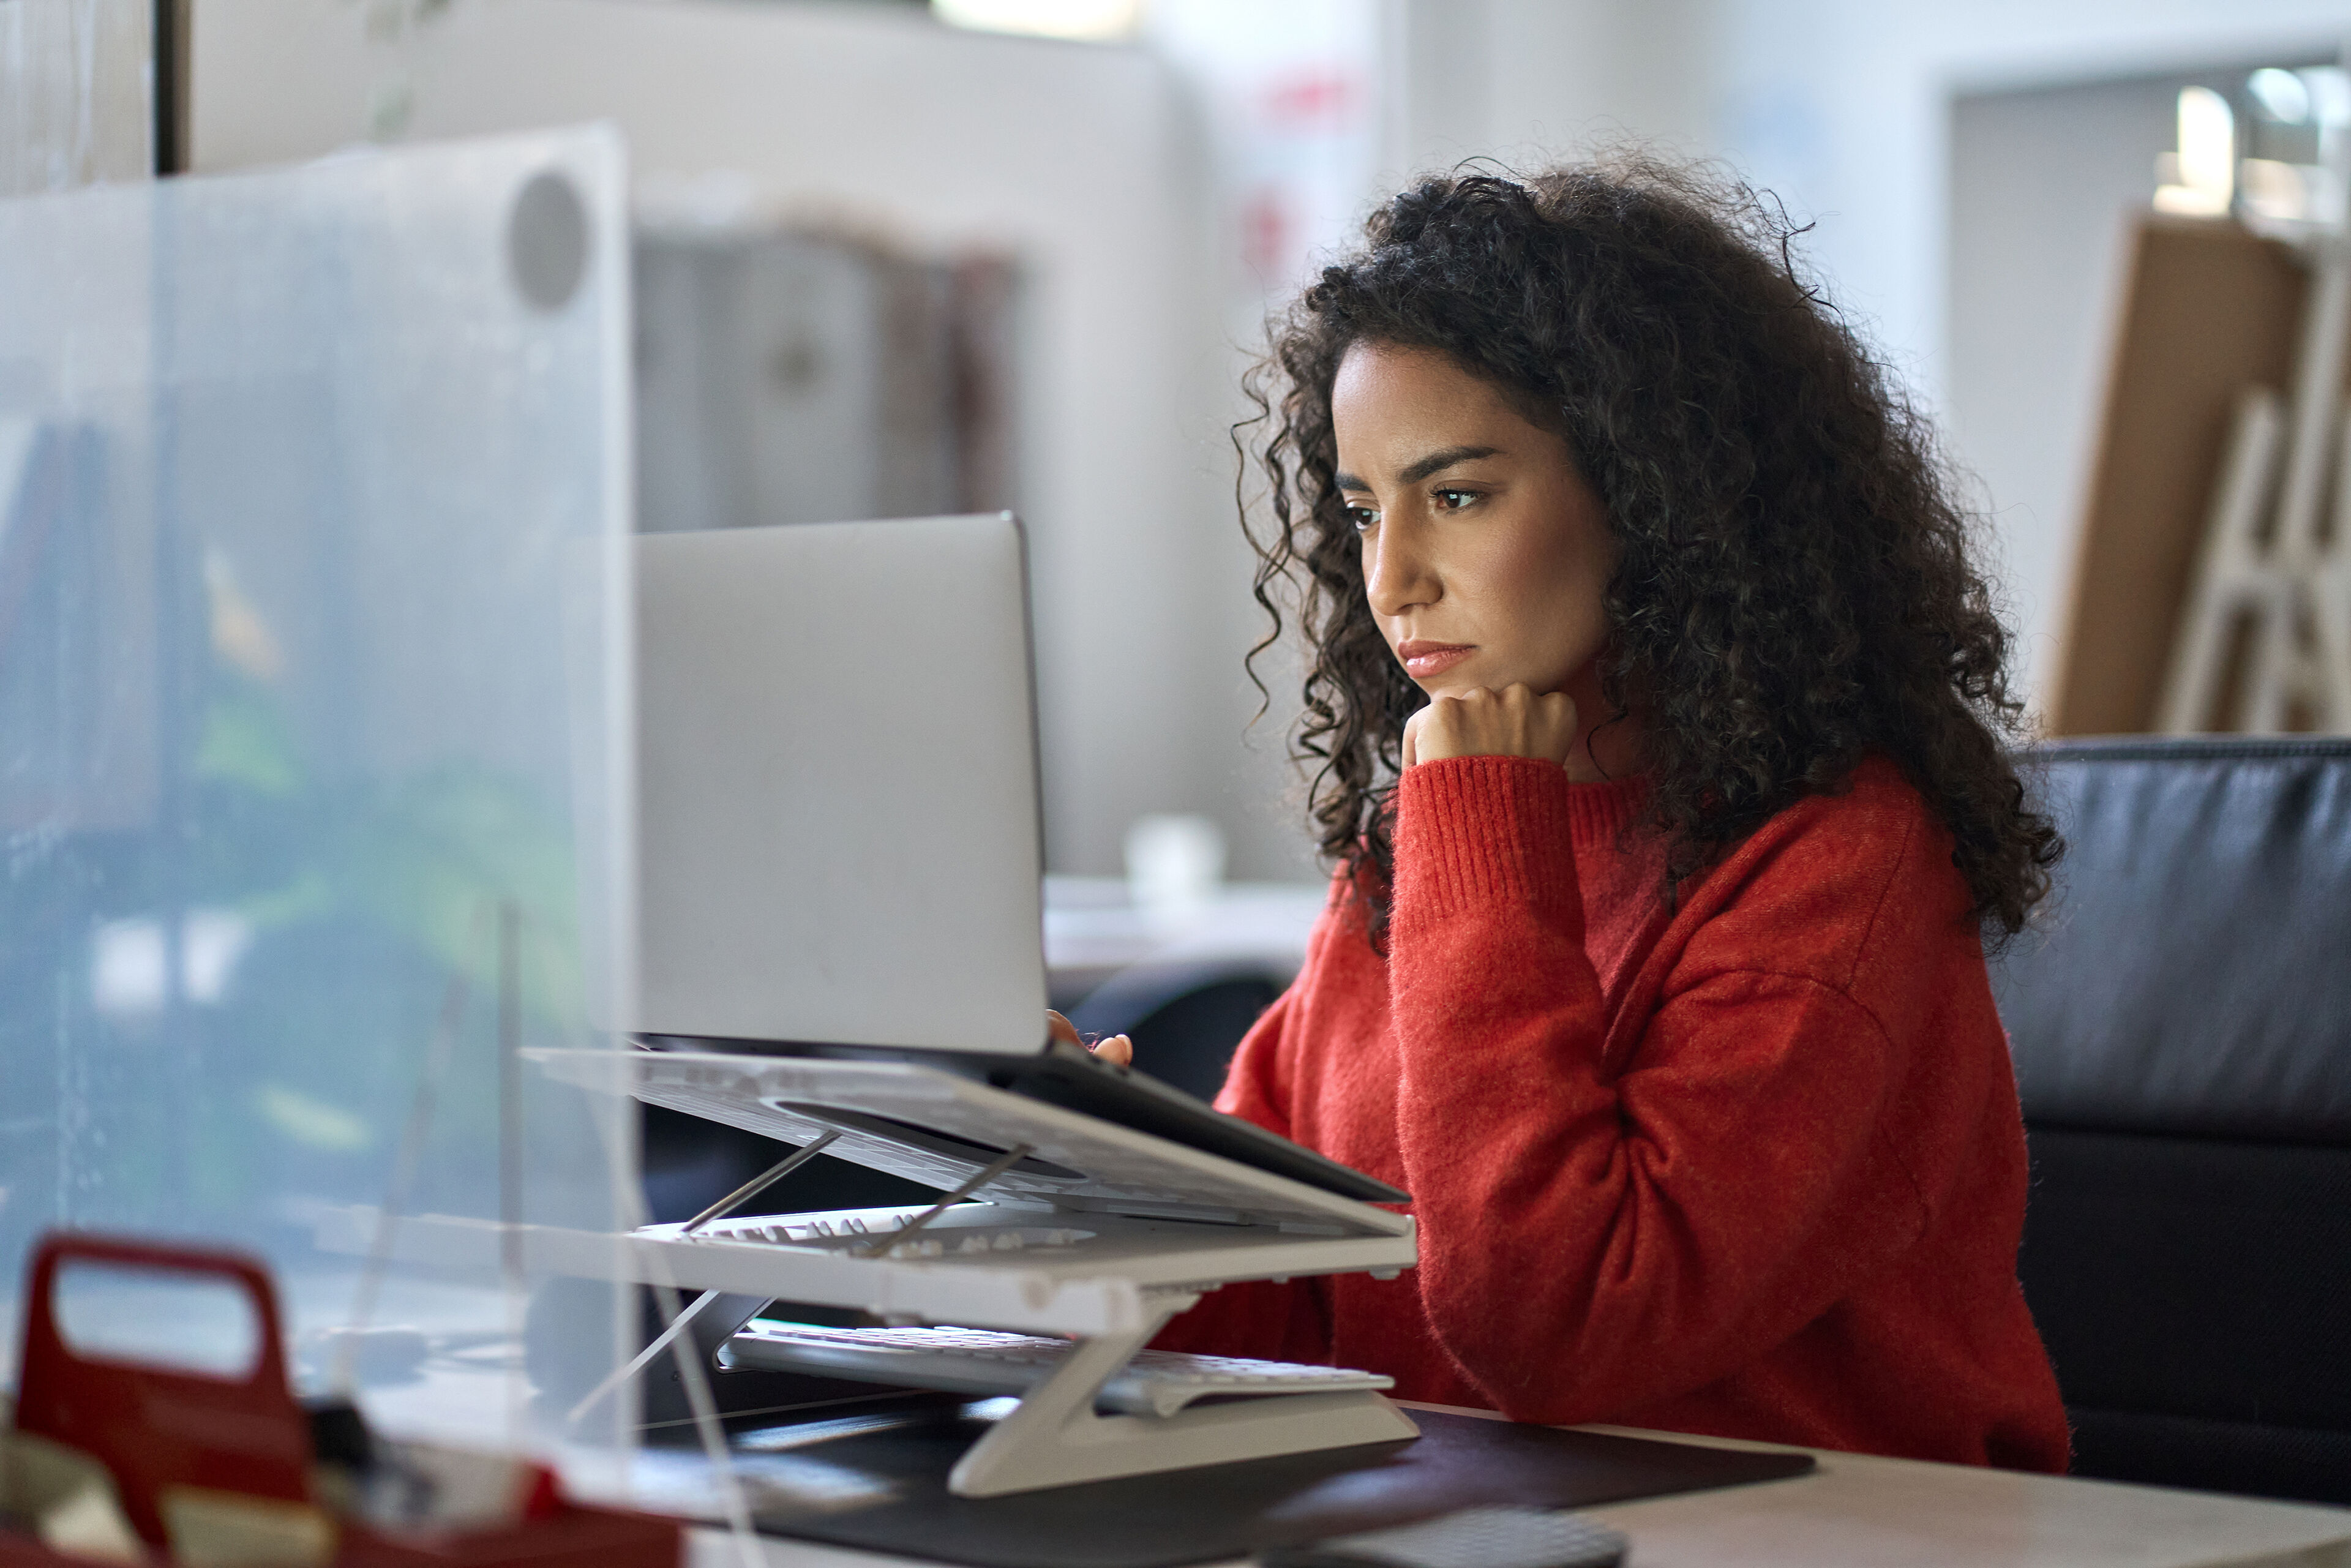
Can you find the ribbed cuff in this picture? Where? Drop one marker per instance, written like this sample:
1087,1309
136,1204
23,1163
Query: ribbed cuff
1476,830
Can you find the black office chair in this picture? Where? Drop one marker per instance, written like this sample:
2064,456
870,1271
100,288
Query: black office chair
2181,1028
1185,1019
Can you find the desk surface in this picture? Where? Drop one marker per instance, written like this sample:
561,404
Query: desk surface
1857,1509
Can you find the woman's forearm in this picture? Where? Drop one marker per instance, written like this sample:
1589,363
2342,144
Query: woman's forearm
1596,1235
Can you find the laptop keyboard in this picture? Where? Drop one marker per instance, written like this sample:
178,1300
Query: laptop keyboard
985,1361
842,1233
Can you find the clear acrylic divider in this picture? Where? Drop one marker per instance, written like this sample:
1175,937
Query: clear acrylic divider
314,708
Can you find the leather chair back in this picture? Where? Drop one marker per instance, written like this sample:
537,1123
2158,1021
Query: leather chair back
2180,1018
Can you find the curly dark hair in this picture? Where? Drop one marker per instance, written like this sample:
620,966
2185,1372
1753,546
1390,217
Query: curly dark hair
1796,589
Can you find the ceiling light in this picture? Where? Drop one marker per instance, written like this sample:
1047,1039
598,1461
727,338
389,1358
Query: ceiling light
1096,20
2281,94
2201,178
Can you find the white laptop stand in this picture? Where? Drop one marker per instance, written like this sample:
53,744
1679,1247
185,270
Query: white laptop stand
1054,1436
1053,1222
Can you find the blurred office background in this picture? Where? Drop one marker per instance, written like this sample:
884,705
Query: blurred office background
895,258
895,261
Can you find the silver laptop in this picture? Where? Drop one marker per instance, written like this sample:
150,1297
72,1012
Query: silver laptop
840,848
837,786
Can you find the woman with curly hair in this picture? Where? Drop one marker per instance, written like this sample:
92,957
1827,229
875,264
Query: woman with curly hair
1660,722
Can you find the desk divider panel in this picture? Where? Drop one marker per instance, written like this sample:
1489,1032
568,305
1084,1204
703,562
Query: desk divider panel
313,716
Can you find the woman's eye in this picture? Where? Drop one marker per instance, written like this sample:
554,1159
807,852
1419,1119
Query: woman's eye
1454,500
1362,518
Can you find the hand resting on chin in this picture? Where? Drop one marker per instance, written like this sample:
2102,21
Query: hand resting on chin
1516,721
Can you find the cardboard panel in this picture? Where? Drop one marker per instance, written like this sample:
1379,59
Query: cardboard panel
2208,309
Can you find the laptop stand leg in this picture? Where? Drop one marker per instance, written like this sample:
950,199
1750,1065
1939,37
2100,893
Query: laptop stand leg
1055,1437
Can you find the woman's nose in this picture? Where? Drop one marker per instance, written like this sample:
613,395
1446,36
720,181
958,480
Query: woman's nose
1397,576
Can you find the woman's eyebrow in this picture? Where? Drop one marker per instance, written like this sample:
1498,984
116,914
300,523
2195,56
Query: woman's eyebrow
1435,463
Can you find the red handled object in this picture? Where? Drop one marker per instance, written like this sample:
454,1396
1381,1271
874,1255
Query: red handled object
158,1426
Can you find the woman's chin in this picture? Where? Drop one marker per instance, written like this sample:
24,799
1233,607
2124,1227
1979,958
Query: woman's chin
1461,680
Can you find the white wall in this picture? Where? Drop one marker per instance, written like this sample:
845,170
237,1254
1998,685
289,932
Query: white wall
1531,81
1083,159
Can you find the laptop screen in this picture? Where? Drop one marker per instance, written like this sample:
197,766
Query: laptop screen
838,835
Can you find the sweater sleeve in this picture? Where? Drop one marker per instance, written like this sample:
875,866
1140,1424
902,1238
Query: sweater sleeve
1599,1235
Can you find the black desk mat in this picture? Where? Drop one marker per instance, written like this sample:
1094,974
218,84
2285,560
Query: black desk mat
878,1482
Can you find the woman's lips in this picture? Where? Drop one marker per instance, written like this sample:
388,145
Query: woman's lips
1424,659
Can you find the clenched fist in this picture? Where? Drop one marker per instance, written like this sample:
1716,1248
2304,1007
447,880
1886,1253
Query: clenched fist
1516,721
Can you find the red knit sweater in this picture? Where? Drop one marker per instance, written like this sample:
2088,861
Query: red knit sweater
1751,1167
